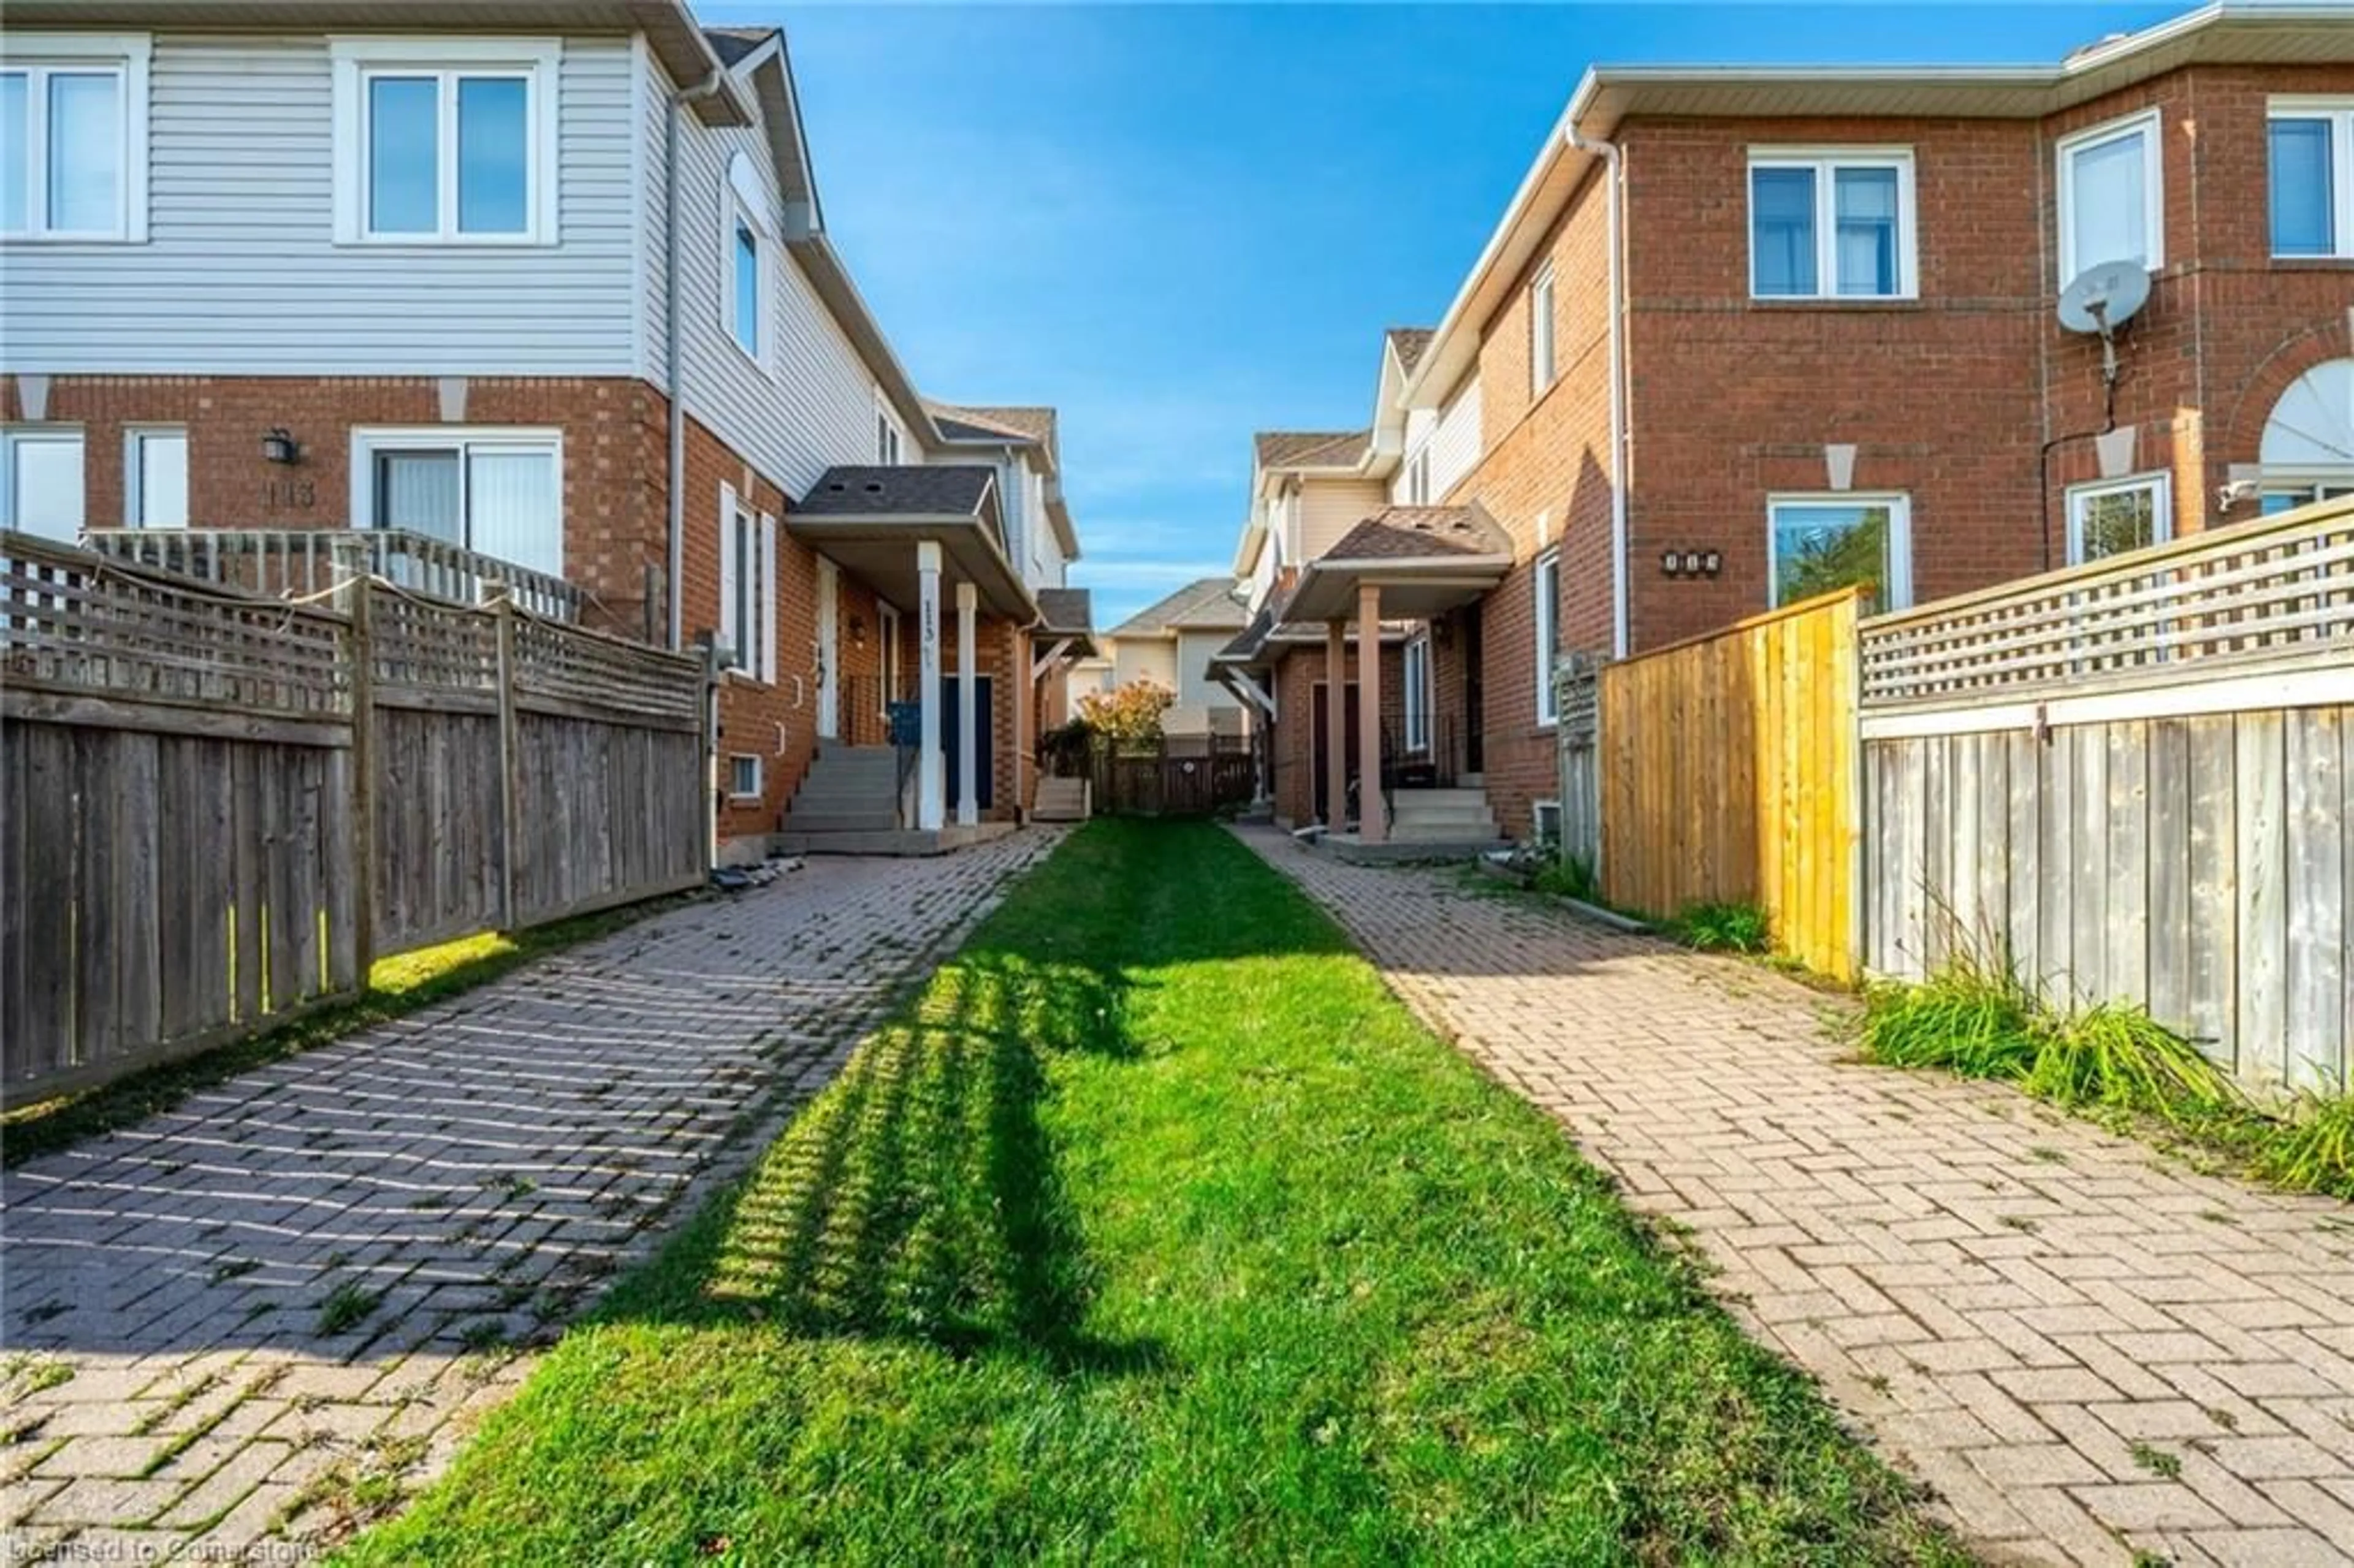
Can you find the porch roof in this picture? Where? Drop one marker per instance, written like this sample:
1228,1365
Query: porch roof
1424,559
870,519
1068,614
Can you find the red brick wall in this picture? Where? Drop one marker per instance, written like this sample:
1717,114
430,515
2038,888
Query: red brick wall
614,446
1297,675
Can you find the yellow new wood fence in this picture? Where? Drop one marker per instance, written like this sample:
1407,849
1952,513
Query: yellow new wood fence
1729,776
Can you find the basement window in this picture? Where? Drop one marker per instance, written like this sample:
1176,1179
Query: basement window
744,781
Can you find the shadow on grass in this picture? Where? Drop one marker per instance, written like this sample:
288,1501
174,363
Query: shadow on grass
921,1197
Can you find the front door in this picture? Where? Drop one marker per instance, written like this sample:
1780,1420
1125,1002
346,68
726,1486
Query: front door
984,742
1475,704
1322,750
829,649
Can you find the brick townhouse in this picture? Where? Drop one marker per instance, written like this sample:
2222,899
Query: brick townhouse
1748,333
278,269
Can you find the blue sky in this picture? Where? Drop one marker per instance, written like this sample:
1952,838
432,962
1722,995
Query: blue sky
1181,224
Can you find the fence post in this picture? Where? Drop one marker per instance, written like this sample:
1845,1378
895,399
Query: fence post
362,633
510,759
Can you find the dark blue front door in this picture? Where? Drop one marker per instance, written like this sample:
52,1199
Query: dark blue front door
984,742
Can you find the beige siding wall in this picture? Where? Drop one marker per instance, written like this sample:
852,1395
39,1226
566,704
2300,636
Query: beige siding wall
1331,507
1140,659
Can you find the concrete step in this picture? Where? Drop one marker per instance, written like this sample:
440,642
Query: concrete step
831,795
1444,833
1458,795
1437,811
890,841
798,821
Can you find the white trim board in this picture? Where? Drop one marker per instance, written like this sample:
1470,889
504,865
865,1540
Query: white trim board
2326,686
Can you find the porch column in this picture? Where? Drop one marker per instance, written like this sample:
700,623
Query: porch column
1336,725
1373,824
968,683
931,778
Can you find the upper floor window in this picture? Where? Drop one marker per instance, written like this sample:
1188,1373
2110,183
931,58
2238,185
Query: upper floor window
1831,225
2111,202
2311,147
40,479
445,141
1417,478
886,439
1816,543
746,238
1540,332
500,491
73,137
2116,515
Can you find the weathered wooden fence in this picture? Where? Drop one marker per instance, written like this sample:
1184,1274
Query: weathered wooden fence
1188,778
1727,773
189,777
2134,780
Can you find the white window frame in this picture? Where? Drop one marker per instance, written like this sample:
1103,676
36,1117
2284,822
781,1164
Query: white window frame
2339,113
1537,809
370,440
735,760
889,443
1547,619
743,199
355,61
1418,477
125,55
2150,125
2159,484
1544,357
1413,682
1825,162
1900,538
757,663
134,472
13,436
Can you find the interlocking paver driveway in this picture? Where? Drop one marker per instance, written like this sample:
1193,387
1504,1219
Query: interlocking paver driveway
259,1311
2085,1349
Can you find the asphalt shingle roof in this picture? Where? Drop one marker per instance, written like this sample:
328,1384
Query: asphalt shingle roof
1410,343
1066,610
959,422
1406,533
1309,448
927,490
1206,604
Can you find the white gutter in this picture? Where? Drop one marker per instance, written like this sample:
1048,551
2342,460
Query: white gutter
674,561
1615,171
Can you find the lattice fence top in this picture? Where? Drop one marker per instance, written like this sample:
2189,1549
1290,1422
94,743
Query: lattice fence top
570,665
2278,590
72,622
432,647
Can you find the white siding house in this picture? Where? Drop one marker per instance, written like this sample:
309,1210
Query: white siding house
242,270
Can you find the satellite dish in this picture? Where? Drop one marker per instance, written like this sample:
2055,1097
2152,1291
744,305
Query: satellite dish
2104,297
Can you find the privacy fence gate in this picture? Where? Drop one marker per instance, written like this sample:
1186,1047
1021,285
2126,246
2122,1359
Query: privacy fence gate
217,809
2132,781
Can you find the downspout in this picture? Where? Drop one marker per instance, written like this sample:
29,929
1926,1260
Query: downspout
1616,170
674,564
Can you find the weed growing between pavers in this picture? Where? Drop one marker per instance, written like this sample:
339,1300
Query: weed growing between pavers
1156,1229
1981,1020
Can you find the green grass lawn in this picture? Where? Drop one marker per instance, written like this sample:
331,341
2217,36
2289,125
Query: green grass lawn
1157,1230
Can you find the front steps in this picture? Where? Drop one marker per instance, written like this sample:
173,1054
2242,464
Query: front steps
1061,800
847,805
1425,825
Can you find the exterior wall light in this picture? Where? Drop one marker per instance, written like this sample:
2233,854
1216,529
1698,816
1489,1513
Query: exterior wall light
279,446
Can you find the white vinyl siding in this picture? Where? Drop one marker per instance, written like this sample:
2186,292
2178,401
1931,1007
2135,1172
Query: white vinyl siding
155,477
813,406
1330,508
2112,195
41,482
1455,445
241,274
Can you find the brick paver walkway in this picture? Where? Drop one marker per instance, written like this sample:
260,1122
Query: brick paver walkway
279,1305
2086,1350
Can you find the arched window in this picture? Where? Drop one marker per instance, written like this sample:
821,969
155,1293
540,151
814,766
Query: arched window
746,232
2308,443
